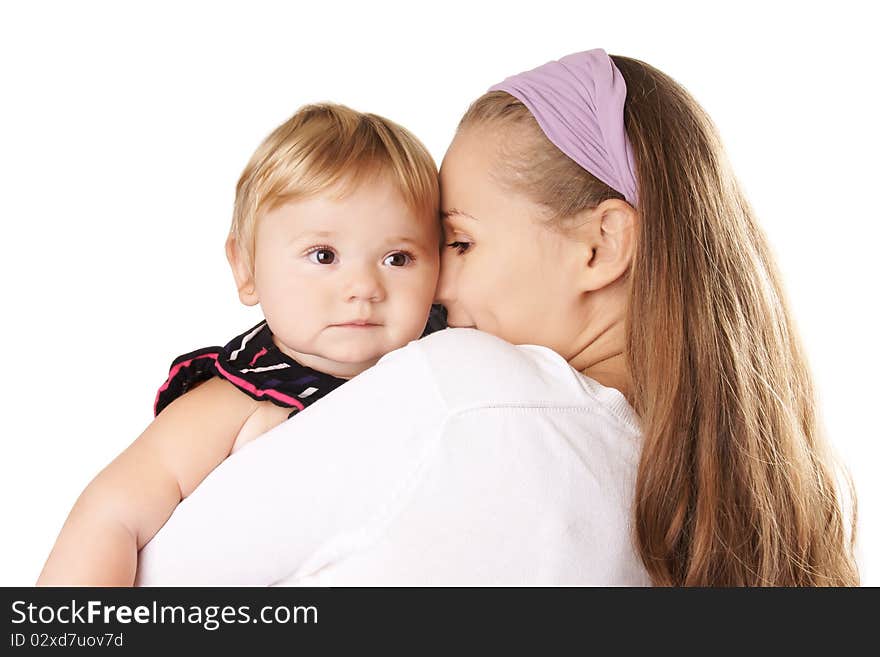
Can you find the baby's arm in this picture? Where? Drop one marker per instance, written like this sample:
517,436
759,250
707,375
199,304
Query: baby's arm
130,499
266,416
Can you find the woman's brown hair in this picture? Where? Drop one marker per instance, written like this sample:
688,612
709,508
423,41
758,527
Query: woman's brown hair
736,484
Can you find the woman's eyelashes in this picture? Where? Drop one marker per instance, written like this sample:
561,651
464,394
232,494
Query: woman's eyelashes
325,255
460,246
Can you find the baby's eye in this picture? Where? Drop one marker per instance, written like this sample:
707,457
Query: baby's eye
399,259
459,246
322,256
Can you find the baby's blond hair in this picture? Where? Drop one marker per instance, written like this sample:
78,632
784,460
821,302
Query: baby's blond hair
327,145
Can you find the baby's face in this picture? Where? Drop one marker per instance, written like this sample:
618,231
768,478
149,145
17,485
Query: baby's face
344,281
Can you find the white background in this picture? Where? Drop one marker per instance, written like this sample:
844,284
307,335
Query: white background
124,129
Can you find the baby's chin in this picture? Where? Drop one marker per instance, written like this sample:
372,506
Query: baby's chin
346,352
349,357
353,356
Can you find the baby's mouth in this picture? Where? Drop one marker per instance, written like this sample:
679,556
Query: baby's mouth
357,324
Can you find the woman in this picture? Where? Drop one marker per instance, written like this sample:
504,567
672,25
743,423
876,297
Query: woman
655,424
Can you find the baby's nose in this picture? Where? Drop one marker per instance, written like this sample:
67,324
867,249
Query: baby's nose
365,284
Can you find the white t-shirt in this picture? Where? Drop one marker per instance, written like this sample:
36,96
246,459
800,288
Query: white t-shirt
459,459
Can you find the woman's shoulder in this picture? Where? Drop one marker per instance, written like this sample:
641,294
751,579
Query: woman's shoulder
472,368
463,353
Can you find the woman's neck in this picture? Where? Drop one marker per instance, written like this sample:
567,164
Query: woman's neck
602,357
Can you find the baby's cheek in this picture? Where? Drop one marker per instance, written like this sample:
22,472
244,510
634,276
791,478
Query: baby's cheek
410,325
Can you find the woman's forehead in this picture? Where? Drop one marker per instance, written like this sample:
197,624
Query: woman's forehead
454,213
471,147
466,184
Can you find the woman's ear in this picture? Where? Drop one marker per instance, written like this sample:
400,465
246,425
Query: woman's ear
608,232
243,274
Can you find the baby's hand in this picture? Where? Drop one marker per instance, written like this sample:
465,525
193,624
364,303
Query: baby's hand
267,416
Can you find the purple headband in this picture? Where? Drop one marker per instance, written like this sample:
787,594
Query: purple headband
578,102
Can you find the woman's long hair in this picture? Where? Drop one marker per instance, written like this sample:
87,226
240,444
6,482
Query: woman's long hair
736,484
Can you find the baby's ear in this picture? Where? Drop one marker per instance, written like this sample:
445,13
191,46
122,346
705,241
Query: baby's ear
244,277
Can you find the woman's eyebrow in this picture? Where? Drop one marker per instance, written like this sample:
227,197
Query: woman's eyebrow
453,212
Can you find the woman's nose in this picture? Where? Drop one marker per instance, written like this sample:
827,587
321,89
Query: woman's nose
444,293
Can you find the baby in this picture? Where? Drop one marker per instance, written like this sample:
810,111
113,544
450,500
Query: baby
336,235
